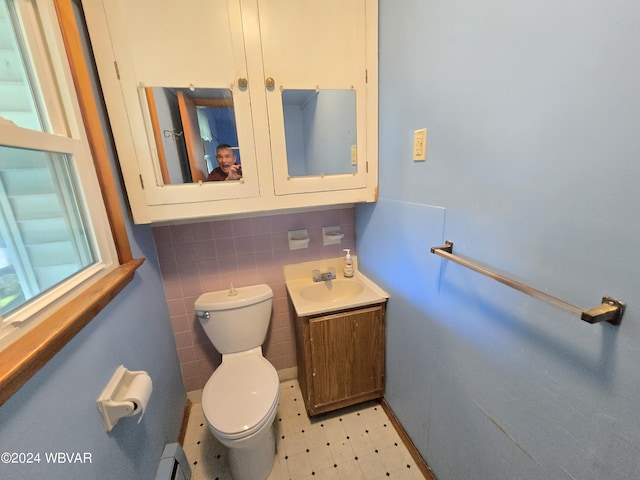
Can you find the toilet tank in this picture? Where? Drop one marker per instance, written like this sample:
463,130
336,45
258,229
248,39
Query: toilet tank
237,319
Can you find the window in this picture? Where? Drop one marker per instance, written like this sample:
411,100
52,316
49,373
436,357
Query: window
63,248
43,232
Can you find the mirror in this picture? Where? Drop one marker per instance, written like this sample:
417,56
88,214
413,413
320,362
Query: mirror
189,127
320,131
190,124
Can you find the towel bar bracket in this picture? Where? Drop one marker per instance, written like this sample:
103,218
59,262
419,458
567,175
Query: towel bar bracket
610,310
447,247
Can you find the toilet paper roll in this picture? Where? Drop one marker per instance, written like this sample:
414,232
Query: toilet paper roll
138,393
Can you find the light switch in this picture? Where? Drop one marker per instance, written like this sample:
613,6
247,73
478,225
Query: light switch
420,144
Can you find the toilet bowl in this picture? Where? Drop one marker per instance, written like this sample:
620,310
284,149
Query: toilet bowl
240,400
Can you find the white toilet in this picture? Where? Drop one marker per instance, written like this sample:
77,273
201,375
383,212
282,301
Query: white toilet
240,400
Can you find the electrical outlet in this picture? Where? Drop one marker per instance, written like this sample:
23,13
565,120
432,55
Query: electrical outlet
420,144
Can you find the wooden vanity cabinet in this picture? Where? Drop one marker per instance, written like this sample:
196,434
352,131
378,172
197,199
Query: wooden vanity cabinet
341,357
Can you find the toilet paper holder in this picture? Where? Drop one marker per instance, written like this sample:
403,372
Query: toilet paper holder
125,395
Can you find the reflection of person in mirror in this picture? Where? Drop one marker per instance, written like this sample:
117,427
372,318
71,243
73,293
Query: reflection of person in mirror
227,168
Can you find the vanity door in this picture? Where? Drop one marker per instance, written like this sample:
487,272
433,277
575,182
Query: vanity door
314,59
178,90
347,358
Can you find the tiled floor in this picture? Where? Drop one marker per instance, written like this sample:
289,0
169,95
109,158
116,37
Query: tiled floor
353,443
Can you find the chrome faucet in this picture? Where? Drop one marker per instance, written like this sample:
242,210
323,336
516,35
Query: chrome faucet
322,277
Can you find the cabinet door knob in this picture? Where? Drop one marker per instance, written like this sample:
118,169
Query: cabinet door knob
242,82
270,82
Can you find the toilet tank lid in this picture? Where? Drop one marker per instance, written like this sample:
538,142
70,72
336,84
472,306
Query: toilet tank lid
233,298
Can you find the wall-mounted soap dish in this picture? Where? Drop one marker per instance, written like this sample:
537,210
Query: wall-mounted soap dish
298,239
332,235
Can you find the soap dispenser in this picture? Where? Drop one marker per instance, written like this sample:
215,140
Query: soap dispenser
348,264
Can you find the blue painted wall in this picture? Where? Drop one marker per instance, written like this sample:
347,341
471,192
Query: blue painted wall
533,169
56,411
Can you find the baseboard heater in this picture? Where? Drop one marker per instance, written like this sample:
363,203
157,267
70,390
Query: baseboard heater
173,464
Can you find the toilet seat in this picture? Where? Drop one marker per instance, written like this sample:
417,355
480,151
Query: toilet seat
241,395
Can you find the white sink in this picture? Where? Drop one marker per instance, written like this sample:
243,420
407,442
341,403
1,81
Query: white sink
332,290
311,298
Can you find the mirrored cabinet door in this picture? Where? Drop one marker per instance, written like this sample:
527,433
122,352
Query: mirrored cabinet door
317,104
183,83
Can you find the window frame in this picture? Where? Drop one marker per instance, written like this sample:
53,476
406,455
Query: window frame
28,354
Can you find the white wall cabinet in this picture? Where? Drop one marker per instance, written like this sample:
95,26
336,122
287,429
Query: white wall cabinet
302,78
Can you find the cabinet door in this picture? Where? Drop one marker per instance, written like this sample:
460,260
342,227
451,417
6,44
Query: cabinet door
190,47
315,52
347,356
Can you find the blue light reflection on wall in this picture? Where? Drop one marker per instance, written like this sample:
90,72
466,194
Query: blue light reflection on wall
398,252
394,242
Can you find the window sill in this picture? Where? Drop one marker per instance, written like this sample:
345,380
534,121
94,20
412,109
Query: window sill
23,358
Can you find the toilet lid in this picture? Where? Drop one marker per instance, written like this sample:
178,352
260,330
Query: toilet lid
240,394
